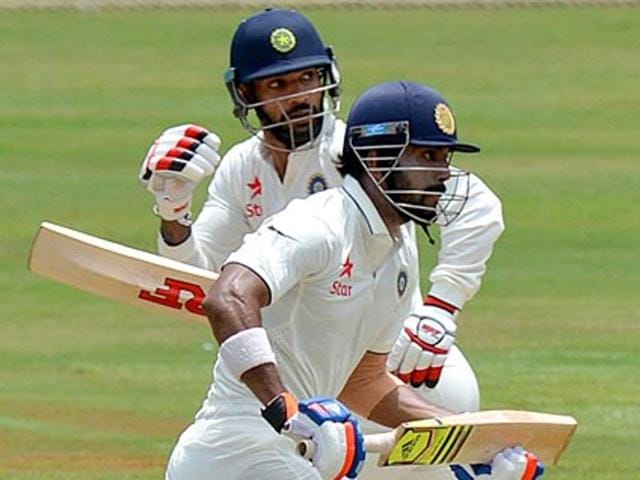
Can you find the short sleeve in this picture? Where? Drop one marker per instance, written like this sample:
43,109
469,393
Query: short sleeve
287,248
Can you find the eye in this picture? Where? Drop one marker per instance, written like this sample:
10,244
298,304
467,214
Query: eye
276,84
428,155
309,76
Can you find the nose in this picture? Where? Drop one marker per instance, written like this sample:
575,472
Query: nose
299,95
443,174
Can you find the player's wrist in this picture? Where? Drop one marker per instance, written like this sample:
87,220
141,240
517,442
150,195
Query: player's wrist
246,350
279,410
170,212
436,313
174,233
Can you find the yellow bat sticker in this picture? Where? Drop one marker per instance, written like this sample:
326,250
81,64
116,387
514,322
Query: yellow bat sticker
435,445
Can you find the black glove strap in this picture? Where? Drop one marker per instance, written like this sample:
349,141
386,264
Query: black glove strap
279,410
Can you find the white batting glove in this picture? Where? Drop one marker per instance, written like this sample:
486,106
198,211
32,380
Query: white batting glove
509,464
335,438
174,166
422,347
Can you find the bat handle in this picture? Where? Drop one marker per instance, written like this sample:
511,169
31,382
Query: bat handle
373,443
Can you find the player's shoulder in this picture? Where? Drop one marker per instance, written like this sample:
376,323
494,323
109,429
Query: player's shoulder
241,163
241,153
479,190
320,217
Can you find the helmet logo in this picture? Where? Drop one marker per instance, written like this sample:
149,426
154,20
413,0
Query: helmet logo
444,119
283,40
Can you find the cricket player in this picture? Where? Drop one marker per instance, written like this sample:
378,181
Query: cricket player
309,307
285,86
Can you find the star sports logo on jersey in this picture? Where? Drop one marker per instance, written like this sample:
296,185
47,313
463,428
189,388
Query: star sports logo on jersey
338,288
253,209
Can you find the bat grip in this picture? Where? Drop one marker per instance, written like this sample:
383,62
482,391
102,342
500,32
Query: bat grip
373,443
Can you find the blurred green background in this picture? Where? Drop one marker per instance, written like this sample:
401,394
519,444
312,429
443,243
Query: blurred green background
94,390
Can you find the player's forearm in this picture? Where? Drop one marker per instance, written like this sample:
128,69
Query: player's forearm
173,232
228,314
265,382
403,404
233,308
233,304
374,393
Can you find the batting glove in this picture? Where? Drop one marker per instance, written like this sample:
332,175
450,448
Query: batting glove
338,445
174,166
421,349
509,464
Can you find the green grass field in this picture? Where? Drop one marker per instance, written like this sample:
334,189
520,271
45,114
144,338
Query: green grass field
94,390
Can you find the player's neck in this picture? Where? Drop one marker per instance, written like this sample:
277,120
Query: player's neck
280,162
389,214
279,154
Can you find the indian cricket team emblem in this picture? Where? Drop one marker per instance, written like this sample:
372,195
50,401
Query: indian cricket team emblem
317,183
283,40
444,119
401,283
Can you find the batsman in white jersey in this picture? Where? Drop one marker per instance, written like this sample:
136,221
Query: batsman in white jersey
286,94
308,309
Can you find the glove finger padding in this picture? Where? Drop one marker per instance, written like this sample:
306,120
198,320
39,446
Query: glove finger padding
175,164
339,443
410,361
509,464
418,376
180,163
516,464
397,352
180,148
420,351
194,131
335,450
210,157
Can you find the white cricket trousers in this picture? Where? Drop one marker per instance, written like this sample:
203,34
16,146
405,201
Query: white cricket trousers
240,445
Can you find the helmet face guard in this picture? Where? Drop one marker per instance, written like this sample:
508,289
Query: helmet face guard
390,141
288,129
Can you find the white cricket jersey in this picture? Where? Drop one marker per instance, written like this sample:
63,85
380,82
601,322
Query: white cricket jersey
340,286
246,189
466,245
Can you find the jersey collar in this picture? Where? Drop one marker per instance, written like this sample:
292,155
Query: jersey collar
370,213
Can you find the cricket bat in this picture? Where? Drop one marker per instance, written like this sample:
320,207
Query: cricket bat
468,438
118,272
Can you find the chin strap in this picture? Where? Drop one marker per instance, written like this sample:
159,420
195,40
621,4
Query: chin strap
428,233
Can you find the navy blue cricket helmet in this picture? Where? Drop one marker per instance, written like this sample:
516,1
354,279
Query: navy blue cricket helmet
428,115
276,42
383,122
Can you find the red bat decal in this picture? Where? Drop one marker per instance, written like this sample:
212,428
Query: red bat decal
169,296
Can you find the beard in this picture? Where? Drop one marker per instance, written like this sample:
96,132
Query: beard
417,213
299,129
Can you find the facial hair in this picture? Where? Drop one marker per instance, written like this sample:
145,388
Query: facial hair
301,132
427,217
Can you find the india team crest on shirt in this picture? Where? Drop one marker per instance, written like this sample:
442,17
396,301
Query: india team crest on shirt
402,282
317,183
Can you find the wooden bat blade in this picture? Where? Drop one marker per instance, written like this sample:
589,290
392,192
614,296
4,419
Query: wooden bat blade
474,438
118,272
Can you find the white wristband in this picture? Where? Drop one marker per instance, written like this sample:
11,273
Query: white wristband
245,350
